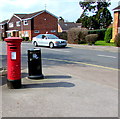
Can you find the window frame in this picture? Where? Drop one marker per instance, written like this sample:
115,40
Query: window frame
36,31
18,23
11,25
2,26
25,22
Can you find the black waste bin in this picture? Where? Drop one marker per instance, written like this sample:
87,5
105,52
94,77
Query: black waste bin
34,64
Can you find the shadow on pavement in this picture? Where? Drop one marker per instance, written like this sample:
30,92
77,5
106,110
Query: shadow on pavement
57,77
23,75
49,76
48,85
3,80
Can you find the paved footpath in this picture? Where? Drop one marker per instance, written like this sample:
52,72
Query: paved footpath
67,91
71,90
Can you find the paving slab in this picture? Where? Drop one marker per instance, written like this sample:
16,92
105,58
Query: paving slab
67,91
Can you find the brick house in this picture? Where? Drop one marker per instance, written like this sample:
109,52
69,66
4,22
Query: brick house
3,29
30,25
116,23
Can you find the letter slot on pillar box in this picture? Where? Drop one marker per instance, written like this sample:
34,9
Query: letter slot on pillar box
13,62
34,64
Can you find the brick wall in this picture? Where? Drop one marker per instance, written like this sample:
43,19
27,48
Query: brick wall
115,24
3,31
13,20
45,23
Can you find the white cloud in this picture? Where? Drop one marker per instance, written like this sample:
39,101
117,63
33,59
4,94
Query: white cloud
68,9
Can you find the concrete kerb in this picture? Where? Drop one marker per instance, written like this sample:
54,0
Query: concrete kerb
93,47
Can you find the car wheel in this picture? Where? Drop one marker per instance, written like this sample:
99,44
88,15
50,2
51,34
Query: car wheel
51,45
35,44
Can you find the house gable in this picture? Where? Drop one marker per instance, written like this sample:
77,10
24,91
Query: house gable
12,23
33,24
45,22
32,15
3,28
116,9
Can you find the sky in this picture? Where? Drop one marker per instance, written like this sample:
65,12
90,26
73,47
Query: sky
68,9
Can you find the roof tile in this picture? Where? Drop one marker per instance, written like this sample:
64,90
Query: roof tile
25,16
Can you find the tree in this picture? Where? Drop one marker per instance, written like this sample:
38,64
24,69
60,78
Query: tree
96,15
84,19
104,18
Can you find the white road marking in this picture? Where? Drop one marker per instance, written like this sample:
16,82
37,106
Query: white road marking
60,50
107,56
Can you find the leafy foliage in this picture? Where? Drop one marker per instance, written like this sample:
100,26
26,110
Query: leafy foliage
100,18
100,32
77,35
91,38
108,35
25,38
63,35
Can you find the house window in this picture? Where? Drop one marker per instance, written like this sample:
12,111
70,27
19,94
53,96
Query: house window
8,34
26,34
53,31
11,25
36,31
25,22
2,26
18,23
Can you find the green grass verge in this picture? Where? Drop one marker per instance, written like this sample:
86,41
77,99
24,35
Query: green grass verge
103,43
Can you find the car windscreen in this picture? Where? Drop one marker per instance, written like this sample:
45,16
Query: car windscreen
52,37
39,36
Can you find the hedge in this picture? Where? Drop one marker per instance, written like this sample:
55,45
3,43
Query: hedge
25,38
100,32
63,35
108,35
77,35
91,38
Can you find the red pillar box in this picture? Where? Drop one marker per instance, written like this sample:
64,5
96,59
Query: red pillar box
13,62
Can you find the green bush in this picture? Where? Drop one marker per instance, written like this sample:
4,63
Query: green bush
91,38
100,32
63,35
108,35
117,40
25,38
77,35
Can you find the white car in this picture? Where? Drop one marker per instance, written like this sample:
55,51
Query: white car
48,40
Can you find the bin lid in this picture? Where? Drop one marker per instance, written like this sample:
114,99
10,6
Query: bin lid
34,49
